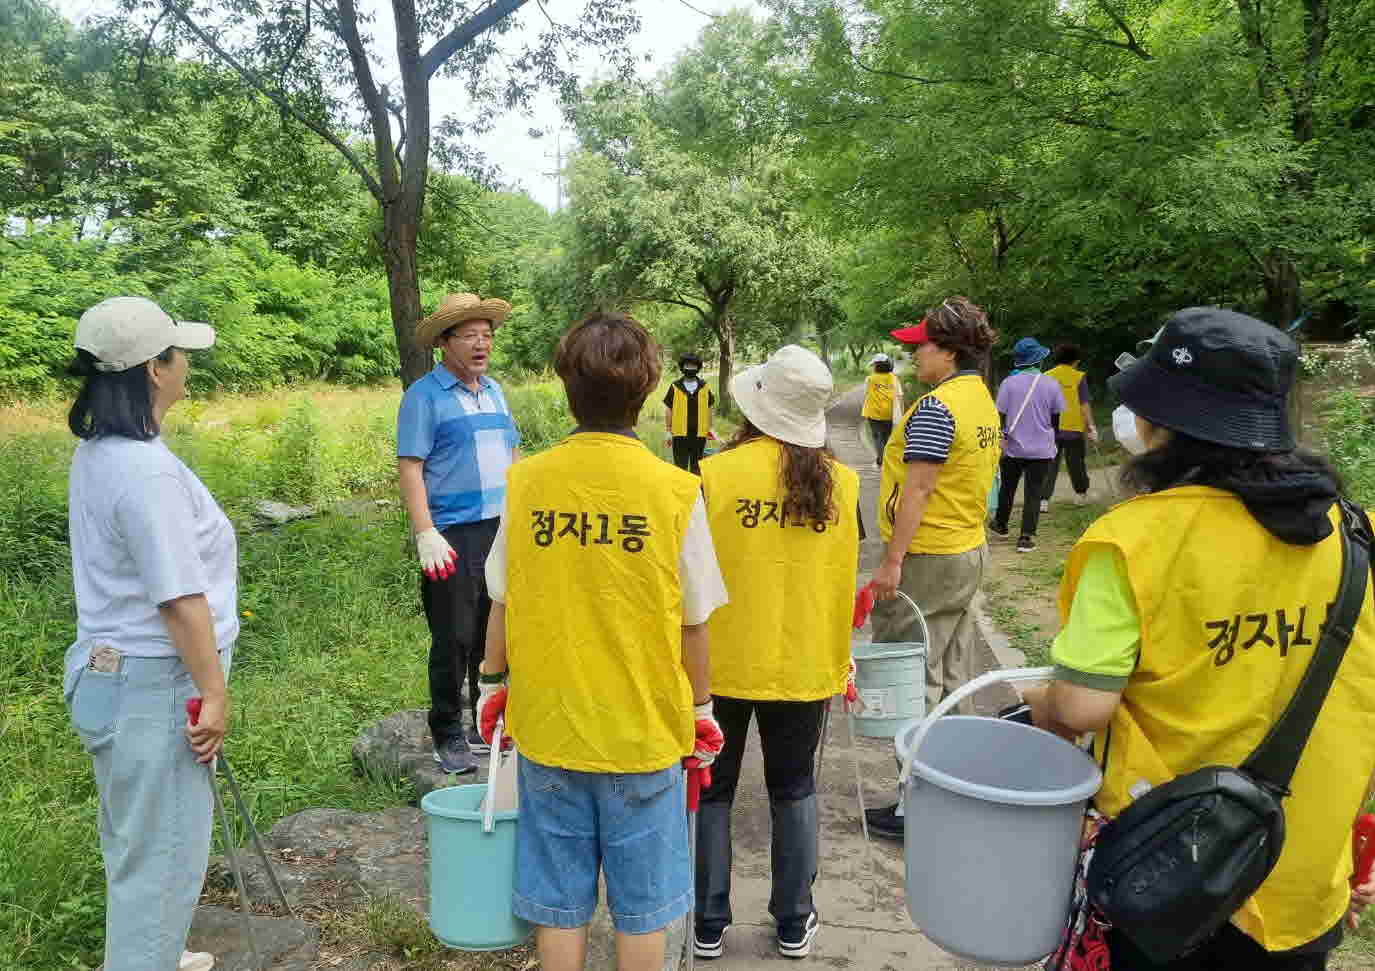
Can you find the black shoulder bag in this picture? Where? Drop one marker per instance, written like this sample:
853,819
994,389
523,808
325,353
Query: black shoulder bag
1178,862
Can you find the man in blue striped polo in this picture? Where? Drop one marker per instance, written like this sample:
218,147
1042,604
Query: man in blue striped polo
455,439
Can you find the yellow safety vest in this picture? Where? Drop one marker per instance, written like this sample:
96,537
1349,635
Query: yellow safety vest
955,513
878,396
785,635
1230,617
594,606
1068,378
701,400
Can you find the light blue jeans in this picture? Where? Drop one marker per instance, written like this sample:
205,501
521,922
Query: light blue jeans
155,802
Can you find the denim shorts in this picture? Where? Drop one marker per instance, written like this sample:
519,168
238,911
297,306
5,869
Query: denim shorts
633,827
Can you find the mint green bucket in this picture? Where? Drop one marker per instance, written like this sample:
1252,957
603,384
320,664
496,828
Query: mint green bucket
471,872
891,680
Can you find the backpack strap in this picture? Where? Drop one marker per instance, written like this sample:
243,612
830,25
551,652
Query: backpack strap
1278,756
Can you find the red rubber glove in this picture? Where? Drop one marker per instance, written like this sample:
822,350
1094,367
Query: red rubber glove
710,739
851,689
864,604
698,775
491,705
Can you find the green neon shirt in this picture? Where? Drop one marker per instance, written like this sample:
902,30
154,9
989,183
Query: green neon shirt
1098,646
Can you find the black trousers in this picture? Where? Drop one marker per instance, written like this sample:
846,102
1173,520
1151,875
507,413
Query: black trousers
1227,950
1035,471
1073,452
687,452
880,432
456,610
788,733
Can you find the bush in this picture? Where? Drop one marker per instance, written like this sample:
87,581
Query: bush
1346,424
541,413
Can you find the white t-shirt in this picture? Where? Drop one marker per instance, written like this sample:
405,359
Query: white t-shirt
145,530
704,589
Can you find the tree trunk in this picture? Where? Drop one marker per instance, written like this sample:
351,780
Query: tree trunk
1281,289
403,285
725,346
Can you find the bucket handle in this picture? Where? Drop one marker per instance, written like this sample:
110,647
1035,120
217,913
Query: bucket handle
493,764
916,612
1006,676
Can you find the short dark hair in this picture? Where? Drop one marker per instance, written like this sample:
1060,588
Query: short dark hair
1184,459
961,326
883,367
609,364
113,402
1067,353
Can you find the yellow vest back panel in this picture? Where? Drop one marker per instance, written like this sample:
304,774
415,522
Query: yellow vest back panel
682,401
1230,618
955,513
878,396
785,635
594,606
1068,378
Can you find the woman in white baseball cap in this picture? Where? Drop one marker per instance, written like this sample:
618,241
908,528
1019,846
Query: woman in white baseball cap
155,567
784,516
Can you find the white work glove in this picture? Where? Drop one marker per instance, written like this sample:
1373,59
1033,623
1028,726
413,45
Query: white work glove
437,557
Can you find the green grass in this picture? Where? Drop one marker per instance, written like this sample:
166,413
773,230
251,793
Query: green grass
332,639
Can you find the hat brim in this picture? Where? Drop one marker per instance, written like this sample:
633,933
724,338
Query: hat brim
428,330
761,412
192,335
1203,411
912,335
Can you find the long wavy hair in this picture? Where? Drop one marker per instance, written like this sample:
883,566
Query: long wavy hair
805,475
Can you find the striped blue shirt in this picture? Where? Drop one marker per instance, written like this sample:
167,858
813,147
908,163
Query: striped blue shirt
465,439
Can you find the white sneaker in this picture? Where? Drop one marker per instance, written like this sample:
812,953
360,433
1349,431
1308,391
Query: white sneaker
196,961
1045,505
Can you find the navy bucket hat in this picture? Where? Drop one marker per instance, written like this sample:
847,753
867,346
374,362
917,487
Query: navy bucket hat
1028,351
1218,376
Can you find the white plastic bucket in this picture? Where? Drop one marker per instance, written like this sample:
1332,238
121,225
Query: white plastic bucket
891,680
993,815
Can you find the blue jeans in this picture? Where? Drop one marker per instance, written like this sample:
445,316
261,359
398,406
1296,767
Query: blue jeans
633,827
155,802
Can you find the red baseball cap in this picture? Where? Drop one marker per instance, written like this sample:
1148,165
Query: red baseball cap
912,335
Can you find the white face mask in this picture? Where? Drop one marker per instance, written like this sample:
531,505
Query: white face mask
1124,430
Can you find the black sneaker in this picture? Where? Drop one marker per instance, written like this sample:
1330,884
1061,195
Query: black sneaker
708,944
997,530
1026,544
475,743
795,941
885,822
455,757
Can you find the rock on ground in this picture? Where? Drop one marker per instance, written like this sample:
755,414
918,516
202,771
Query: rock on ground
283,943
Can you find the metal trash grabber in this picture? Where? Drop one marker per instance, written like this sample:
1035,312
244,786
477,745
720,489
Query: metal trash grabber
193,711
698,777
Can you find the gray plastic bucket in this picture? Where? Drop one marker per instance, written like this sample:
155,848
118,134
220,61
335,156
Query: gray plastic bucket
891,681
994,811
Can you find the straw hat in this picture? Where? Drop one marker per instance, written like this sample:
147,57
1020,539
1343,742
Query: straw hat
455,309
786,396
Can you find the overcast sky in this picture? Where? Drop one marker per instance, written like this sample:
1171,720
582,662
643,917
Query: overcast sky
668,26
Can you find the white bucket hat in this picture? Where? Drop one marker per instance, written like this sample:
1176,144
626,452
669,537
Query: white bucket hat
786,396
124,332
880,359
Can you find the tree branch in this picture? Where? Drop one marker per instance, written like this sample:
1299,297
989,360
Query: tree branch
960,251
277,98
464,34
683,303
148,39
296,48
372,99
912,77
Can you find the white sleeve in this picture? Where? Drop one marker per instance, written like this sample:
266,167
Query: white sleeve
157,521
704,589
495,567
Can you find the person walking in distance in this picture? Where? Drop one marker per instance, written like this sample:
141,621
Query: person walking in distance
1029,407
687,415
882,403
1076,424
933,503
455,440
